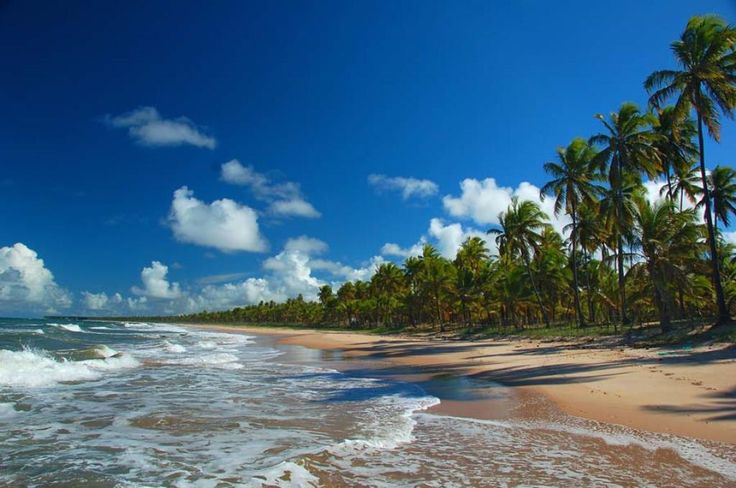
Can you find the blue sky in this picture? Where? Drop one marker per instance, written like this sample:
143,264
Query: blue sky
112,107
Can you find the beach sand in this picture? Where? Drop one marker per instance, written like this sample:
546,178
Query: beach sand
688,393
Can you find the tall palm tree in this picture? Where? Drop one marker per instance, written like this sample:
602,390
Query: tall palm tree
520,235
722,182
572,185
591,236
705,82
627,150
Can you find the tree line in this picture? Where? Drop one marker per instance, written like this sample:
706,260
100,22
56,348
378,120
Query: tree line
624,258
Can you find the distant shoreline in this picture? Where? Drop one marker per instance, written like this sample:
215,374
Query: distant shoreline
689,393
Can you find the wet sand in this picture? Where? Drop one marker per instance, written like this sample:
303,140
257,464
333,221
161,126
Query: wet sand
686,393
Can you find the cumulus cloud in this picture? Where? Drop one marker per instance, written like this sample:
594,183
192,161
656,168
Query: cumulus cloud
483,200
286,199
146,126
101,301
223,224
408,187
155,283
446,237
26,285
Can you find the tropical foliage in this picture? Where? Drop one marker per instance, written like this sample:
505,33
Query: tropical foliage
627,257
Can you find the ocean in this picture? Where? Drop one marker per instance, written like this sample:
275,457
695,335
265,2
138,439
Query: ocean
86,403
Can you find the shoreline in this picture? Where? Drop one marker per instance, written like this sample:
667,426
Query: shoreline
685,393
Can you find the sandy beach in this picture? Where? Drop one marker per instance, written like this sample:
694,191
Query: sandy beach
683,392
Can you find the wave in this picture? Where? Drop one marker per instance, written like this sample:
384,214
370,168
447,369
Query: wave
36,368
171,347
222,360
68,327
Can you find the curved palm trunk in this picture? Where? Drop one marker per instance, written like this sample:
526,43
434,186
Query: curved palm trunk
536,291
576,291
723,316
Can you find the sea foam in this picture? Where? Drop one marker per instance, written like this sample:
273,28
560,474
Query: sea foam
36,368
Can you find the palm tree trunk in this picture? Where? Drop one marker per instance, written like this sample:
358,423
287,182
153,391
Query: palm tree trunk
591,310
576,291
723,316
620,243
536,291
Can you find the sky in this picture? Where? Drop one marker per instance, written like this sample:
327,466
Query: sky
168,158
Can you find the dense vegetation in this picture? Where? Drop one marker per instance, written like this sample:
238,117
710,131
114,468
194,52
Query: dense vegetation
626,259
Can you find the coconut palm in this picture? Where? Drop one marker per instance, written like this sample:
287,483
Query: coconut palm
470,261
627,150
520,235
572,186
722,183
665,240
675,144
705,83
686,183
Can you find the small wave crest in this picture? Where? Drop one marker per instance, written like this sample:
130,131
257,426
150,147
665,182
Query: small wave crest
67,327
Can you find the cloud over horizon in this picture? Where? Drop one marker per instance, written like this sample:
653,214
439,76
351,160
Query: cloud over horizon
26,284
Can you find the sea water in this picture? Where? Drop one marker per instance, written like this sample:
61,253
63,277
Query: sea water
86,403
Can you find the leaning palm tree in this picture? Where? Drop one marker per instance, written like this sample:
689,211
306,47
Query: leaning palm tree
705,83
520,235
627,150
722,183
572,186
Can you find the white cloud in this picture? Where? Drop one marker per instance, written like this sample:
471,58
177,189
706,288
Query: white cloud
155,284
409,187
483,201
26,285
101,301
393,249
223,224
146,126
446,238
294,208
286,199
306,245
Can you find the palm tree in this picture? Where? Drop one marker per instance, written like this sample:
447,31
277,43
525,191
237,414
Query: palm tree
572,185
436,277
705,83
722,183
627,149
666,240
591,236
675,144
470,261
686,184
520,235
